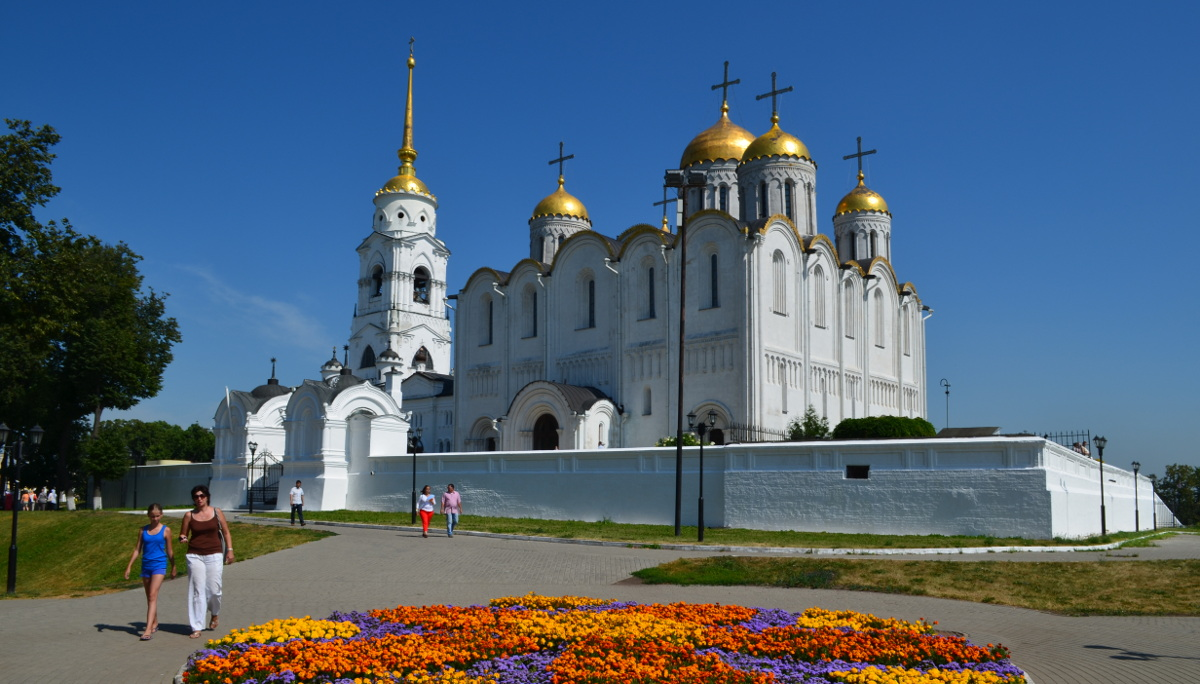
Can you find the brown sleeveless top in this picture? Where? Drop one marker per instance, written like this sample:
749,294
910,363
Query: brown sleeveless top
205,536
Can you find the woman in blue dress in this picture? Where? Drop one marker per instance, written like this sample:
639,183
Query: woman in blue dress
154,543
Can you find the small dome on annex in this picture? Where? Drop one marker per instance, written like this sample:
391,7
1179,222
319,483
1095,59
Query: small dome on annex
560,203
776,143
862,198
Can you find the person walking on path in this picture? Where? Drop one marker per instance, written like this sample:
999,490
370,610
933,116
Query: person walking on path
425,504
205,531
154,544
451,506
297,497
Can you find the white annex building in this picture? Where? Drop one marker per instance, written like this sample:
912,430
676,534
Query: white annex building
566,369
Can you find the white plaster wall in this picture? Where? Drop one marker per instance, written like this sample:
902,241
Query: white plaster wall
169,485
999,486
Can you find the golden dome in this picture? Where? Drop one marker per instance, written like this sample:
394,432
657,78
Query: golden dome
722,140
405,183
776,143
862,198
560,203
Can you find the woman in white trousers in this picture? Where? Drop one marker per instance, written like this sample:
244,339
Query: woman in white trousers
210,547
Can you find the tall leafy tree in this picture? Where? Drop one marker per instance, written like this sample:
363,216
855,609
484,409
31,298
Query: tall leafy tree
78,331
1180,491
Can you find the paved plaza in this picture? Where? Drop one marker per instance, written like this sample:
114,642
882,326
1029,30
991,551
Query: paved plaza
95,639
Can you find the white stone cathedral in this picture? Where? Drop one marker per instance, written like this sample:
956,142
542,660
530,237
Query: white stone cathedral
577,347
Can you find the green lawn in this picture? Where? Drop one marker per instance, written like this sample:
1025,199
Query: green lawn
82,553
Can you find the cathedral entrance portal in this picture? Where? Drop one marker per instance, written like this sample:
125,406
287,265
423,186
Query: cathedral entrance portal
545,433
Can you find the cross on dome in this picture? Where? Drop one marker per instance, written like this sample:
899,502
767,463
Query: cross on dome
774,95
860,154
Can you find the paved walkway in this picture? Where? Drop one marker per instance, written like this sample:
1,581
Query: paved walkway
95,639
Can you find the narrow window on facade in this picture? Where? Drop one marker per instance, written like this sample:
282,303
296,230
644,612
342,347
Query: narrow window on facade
647,404
486,338
723,193
531,313
762,199
650,293
874,244
421,286
789,193
714,297
591,304
779,283
818,290
783,384
376,281
741,204
907,332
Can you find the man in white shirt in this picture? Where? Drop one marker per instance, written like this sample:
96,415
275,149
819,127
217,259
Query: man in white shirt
297,497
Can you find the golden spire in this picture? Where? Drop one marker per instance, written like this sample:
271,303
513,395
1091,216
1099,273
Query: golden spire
406,179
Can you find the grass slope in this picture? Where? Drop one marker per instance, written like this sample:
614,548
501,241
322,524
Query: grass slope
83,553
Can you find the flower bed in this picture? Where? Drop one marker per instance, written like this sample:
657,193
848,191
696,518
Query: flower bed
565,640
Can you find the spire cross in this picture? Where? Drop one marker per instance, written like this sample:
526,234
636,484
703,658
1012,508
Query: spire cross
560,159
272,366
724,86
411,40
774,94
860,155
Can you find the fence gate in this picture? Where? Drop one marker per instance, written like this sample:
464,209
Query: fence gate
265,470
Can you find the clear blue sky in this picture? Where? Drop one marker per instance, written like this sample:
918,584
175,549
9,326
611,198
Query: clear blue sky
1032,154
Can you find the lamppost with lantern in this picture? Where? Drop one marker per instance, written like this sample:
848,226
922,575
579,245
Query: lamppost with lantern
1137,516
1100,443
253,446
415,446
701,430
35,438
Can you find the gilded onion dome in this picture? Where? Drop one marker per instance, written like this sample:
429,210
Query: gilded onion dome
862,198
406,179
722,140
776,143
560,203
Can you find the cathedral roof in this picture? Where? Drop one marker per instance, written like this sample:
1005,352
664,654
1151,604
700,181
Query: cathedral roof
776,143
271,389
560,203
723,140
862,198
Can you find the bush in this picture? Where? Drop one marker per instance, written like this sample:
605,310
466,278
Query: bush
809,428
883,427
689,439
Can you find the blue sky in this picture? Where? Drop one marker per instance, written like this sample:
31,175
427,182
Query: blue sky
1027,152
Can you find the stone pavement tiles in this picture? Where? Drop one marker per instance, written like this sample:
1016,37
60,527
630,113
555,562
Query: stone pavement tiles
95,639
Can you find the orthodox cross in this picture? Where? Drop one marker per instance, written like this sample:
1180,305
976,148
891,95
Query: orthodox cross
860,154
774,94
724,86
272,366
561,159
665,201
411,40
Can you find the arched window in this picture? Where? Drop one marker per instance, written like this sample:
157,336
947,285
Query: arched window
779,283
421,285
591,304
789,193
714,297
741,203
880,320
376,281
368,358
487,326
762,199
647,404
422,361
531,312
906,332
874,244
723,194
650,313
818,290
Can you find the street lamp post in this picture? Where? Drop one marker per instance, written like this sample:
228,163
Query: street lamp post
35,438
946,383
250,486
415,446
701,430
684,181
1137,516
1100,443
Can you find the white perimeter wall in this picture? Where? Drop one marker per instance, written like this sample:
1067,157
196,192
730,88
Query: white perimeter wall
999,486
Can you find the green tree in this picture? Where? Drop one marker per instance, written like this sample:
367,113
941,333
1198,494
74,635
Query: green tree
810,427
78,333
883,427
1180,491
